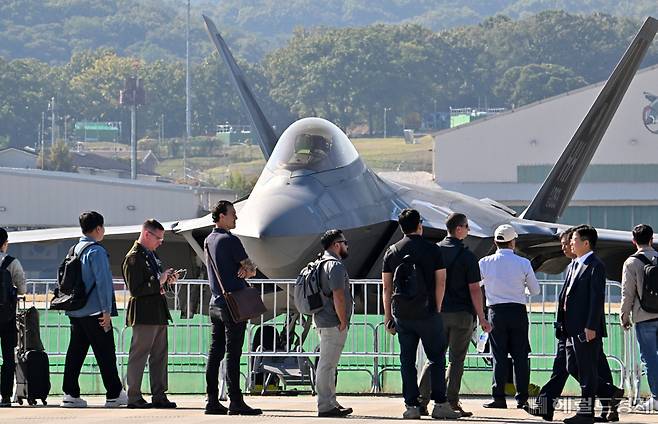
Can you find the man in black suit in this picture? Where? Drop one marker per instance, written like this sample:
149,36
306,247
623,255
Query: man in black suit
544,404
582,318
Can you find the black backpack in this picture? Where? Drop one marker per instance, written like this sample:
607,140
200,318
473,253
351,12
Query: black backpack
649,299
7,292
409,299
71,293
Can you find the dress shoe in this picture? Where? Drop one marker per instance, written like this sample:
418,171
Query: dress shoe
335,412
139,404
522,405
539,412
240,408
496,404
215,408
579,419
6,402
603,418
164,404
457,406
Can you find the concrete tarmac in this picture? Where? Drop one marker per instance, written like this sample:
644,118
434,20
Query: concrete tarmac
277,410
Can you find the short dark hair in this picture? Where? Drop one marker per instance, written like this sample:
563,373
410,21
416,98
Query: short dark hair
642,234
152,225
454,220
3,236
567,233
221,208
330,237
409,220
504,244
90,220
587,232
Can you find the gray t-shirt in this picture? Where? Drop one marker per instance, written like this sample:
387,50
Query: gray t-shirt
333,276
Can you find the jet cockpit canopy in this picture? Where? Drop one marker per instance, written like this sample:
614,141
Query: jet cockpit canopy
311,145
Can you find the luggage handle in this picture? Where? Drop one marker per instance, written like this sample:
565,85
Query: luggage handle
23,298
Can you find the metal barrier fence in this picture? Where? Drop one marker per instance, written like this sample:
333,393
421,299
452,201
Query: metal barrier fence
281,334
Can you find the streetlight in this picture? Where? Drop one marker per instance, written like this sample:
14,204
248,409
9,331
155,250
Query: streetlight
386,109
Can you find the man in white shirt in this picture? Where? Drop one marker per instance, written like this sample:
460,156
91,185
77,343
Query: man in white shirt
507,279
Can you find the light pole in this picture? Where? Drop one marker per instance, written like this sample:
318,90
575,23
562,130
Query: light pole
434,113
188,111
386,109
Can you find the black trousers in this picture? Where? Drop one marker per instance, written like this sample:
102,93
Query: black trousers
592,355
85,332
554,386
509,335
583,364
227,339
8,341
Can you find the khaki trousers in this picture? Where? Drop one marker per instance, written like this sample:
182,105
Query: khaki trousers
148,341
458,329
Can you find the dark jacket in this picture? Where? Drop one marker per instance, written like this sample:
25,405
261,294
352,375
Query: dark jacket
146,305
586,300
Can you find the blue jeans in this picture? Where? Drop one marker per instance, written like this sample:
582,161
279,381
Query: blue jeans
430,332
647,338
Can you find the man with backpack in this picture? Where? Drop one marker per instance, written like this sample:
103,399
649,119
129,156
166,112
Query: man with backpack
91,325
462,303
332,320
639,306
413,276
12,283
507,278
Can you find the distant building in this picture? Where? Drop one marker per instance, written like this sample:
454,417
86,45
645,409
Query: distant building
506,157
95,164
12,157
46,199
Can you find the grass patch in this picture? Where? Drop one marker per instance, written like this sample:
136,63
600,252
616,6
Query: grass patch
381,154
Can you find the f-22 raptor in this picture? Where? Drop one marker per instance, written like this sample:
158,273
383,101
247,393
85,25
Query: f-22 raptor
315,180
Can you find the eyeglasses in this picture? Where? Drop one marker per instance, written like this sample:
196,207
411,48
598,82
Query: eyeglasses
343,241
155,235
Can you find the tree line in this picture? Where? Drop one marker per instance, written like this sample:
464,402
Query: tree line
347,75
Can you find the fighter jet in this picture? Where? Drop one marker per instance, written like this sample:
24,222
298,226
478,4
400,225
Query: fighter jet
314,180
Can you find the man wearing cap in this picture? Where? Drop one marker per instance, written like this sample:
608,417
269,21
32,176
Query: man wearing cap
507,279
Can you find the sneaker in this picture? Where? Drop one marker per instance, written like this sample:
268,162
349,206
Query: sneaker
457,406
647,407
121,400
412,413
73,402
444,411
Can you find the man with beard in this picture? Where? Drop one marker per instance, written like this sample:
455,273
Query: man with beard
332,321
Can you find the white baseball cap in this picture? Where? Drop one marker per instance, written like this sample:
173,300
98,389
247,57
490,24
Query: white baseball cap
505,233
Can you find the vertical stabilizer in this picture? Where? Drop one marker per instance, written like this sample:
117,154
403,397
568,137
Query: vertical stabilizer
558,188
267,138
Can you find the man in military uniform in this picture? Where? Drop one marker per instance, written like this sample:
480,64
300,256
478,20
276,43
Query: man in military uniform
148,315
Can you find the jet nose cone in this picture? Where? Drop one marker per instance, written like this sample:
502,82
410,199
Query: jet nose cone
280,230
279,214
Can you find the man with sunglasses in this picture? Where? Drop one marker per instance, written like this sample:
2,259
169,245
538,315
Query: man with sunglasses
332,321
148,315
462,303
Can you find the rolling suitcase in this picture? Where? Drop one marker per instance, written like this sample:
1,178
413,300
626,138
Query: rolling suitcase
32,366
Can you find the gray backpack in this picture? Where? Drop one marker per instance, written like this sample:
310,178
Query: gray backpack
309,298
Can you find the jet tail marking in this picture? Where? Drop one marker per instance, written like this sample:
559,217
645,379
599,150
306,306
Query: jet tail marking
267,138
555,193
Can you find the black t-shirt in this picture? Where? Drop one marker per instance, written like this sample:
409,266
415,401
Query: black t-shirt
228,252
425,254
461,271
